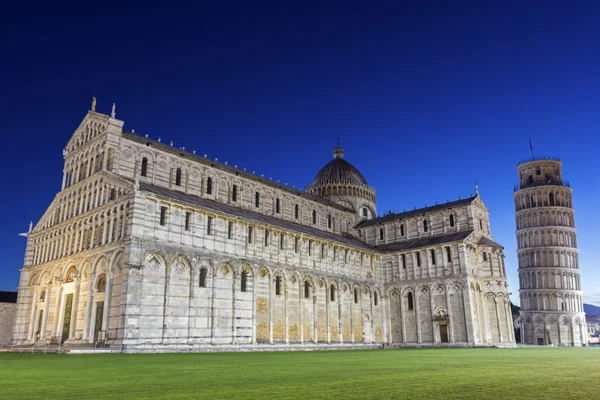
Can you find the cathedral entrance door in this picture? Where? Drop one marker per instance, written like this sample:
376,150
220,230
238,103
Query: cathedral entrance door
67,318
443,332
98,323
540,341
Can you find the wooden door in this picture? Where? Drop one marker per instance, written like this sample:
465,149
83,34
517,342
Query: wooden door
67,318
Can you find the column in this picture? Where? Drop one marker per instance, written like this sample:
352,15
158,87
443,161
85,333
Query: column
33,301
417,317
254,288
271,296
450,318
64,180
498,320
93,234
431,309
57,312
314,316
212,305
107,296
559,335
509,325
327,304
74,312
470,330
110,232
300,299
403,318
233,313
352,314
287,320
103,242
88,309
46,309
340,305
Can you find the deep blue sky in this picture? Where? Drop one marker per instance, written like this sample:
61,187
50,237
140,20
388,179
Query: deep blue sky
426,98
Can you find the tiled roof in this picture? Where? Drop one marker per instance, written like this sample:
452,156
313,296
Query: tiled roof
406,214
230,169
8,297
488,242
253,216
423,242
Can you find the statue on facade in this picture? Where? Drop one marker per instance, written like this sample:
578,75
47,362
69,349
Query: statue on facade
93,104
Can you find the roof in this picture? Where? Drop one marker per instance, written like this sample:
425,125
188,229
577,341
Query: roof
394,216
233,170
488,242
424,242
253,216
8,297
339,170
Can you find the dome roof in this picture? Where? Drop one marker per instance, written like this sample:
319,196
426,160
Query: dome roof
339,170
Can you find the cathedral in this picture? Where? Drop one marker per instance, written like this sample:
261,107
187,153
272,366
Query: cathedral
151,247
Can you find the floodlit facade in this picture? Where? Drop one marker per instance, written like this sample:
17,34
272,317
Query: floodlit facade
154,248
549,276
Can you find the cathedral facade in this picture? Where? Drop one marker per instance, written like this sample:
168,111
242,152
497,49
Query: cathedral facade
151,247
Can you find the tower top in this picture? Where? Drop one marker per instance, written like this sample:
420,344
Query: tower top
338,152
538,158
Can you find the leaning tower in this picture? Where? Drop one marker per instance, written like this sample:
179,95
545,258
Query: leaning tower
549,276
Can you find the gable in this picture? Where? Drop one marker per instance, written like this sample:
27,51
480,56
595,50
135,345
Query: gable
92,126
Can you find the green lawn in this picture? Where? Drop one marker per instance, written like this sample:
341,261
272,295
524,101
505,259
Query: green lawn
561,373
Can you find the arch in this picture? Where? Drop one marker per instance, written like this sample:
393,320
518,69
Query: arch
71,274
101,283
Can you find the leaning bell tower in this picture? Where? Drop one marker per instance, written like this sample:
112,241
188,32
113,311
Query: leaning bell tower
549,275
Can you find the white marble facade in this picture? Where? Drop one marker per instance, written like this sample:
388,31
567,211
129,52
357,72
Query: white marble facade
150,246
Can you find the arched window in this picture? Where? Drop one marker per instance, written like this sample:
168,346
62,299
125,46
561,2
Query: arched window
449,254
256,199
375,299
329,221
409,297
425,225
209,185
481,224
365,212
43,296
296,211
551,198
101,285
548,178
418,259
202,279
538,171
332,293
402,230
244,281
178,177
71,275
380,233
234,193
278,286
530,179
277,206
451,220
484,256
296,244
314,216
432,257
144,166
355,296
306,289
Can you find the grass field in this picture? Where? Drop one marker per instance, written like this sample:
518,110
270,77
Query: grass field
567,373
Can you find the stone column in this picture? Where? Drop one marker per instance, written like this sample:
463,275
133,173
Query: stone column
46,310
33,301
340,305
300,298
212,305
233,313
254,288
110,232
450,317
509,325
73,326
57,313
417,317
271,296
498,320
352,314
469,325
88,309
287,319
107,296
327,303
403,318
314,319
431,308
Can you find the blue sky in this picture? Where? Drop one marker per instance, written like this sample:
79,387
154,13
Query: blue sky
426,98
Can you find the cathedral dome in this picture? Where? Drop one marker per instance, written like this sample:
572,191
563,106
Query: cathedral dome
339,171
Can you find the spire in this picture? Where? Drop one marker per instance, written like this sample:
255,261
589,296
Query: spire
338,152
